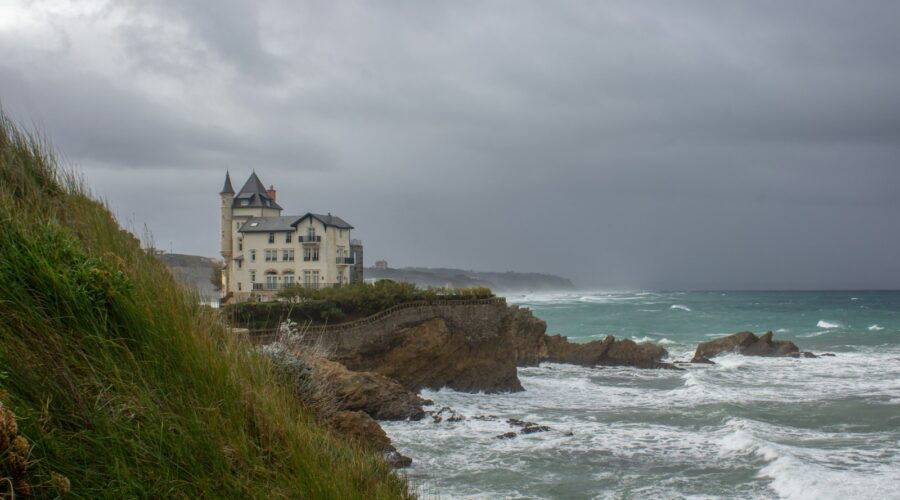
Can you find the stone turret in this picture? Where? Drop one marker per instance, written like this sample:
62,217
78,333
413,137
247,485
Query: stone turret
225,243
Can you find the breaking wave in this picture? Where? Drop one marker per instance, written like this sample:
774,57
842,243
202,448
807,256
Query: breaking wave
827,324
680,307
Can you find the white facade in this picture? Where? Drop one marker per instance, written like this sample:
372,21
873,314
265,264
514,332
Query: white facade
265,252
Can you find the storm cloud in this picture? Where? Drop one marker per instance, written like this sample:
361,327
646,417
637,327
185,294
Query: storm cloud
621,144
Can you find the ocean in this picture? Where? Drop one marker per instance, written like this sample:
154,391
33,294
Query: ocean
744,428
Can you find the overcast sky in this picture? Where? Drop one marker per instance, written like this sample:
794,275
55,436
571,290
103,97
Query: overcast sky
621,144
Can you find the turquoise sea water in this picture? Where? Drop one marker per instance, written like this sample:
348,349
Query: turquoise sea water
743,428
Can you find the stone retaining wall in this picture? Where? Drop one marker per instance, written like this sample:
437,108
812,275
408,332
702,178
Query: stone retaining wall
473,317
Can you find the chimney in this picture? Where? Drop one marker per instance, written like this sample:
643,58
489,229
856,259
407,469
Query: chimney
271,192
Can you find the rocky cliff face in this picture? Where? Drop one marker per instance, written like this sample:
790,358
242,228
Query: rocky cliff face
472,348
433,355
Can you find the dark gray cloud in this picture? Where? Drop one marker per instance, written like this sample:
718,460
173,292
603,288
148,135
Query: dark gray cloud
659,144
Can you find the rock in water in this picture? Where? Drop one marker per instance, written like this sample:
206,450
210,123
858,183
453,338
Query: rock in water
359,426
748,344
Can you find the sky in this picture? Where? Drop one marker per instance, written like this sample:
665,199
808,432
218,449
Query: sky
621,144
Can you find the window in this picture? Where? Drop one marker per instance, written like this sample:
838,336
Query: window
271,280
244,203
271,255
287,255
287,237
311,233
311,254
288,279
311,279
240,245
239,286
240,262
271,237
252,276
252,255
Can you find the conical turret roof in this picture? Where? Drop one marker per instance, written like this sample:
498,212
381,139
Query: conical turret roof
227,189
254,195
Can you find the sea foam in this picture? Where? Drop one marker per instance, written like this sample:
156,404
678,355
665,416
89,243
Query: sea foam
827,324
876,328
680,307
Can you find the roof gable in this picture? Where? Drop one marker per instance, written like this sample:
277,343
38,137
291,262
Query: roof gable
327,220
254,195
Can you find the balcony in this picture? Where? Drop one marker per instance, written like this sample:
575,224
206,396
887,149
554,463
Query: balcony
273,287
310,240
345,261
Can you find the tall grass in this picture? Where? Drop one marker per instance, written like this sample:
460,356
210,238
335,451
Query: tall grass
122,383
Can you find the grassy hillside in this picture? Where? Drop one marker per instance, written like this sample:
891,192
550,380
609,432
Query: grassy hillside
121,383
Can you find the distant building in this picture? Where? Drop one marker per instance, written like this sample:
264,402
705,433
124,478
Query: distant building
264,251
381,264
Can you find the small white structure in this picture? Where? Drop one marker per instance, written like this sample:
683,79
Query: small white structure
264,251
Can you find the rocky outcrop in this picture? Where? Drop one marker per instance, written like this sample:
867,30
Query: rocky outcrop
343,400
361,427
470,348
533,346
374,394
434,355
748,344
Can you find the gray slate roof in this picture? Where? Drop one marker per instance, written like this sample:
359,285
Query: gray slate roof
289,223
270,224
227,189
255,193
329,220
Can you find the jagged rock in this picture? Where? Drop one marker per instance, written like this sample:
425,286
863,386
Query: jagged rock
703,360
827,354
359,426
397,460
469,348
519,423
432,355
377,395
507,435
330,386
529,429
748,344
627,352
485,417
606,352
450,414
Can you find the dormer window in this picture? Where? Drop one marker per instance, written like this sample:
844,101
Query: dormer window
244,203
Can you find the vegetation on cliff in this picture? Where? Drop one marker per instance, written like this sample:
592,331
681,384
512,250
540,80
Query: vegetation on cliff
335,305
120,385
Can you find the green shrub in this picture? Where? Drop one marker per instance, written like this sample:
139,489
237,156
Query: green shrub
333,305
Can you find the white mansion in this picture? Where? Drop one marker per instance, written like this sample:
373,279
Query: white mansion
264,251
